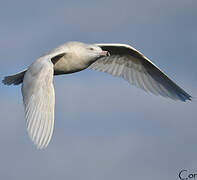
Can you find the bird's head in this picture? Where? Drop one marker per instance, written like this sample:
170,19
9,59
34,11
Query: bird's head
87,53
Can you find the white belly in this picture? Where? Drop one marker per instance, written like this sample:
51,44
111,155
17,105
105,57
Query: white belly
68,65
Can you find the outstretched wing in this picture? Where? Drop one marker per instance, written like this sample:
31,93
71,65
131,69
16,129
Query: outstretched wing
39,100
125,61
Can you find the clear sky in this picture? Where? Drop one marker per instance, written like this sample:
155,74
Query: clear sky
104,127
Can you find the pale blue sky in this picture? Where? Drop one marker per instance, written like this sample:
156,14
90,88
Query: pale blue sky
104,127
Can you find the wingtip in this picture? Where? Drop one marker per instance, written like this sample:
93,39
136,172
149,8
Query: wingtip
190,98
186,98
40,147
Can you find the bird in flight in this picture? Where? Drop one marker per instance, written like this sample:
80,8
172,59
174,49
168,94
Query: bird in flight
120,60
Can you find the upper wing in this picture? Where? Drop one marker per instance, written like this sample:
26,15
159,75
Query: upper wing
39,100
133,66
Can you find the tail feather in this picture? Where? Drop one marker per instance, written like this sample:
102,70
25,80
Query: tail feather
15,79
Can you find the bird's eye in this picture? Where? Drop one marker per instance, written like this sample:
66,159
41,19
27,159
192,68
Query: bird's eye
91,49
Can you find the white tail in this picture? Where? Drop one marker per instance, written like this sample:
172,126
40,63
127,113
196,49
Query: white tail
15,79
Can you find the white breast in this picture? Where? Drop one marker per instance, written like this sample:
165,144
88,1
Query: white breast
69,64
